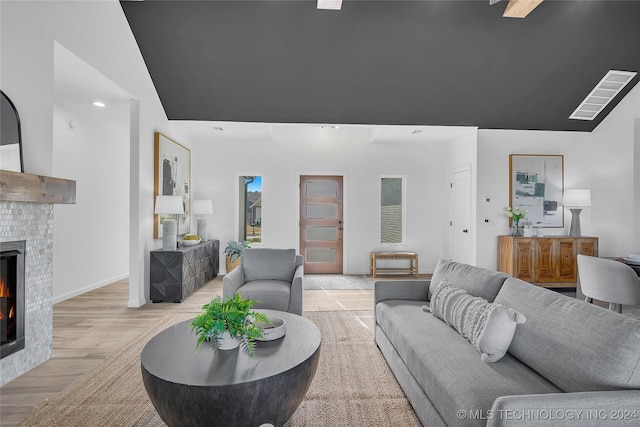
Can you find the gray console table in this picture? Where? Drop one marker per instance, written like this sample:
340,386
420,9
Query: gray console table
176,274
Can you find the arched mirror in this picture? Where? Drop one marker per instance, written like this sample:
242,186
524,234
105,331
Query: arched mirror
10,137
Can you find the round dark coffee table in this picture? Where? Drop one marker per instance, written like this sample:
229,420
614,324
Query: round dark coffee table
203,387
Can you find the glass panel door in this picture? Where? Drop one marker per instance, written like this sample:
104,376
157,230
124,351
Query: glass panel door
321,225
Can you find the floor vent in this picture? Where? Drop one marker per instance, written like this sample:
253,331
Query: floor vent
612,83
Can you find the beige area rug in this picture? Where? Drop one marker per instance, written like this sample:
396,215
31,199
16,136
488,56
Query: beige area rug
353,385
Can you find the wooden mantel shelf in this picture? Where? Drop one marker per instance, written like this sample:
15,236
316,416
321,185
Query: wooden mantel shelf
26,187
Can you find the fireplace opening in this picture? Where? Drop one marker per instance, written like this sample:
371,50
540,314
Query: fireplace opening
12,306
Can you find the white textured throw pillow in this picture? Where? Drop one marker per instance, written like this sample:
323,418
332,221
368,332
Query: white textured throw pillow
488,326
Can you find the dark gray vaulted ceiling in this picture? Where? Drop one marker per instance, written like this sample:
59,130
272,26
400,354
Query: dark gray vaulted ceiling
384,62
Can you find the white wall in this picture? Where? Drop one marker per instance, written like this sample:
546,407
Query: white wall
98,33
611,168
602,160
91,240
636,181
218,163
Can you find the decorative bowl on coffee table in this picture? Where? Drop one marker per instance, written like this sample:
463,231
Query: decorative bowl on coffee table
273,331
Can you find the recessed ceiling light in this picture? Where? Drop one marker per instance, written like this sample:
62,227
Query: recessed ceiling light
329,4
99,104
604,92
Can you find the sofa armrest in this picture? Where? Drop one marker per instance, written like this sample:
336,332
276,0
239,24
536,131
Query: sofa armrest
417,290
296,295
400,289
591,408
231,282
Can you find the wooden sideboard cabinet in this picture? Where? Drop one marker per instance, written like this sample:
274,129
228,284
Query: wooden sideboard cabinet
176,274
549,261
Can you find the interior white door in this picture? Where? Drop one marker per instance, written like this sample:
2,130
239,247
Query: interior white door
460,215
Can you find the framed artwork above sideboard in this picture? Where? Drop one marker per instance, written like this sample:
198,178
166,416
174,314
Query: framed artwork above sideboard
536,184
172,177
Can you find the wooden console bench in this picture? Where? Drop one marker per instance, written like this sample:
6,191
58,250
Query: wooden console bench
412,257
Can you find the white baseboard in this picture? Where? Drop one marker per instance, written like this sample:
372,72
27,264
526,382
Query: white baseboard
86,289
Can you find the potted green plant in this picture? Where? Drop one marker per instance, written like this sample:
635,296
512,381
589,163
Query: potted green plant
228,323
233,252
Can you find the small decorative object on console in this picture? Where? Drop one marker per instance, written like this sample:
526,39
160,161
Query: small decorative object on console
190,240
516,216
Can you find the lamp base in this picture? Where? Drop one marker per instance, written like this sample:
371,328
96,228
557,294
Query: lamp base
575,223
169,234
202,229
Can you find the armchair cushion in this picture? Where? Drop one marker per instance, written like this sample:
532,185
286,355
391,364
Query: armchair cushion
272,294
269,264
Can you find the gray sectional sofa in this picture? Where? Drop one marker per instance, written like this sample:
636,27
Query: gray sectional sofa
570,363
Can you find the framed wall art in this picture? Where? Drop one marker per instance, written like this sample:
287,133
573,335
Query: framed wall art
172,177
536,184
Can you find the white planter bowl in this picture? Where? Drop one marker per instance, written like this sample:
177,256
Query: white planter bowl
272,332
225,342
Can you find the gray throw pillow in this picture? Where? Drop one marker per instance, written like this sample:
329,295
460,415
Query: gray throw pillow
488,326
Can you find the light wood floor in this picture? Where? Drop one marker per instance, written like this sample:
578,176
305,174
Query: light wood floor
90,327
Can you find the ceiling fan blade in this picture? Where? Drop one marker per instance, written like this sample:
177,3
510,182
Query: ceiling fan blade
520,8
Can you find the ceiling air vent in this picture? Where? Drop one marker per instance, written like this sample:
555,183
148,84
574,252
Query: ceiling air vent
602,94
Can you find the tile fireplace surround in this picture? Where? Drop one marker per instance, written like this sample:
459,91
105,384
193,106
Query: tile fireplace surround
32,222
26,213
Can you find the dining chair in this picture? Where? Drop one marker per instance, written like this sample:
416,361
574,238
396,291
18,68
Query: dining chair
609,281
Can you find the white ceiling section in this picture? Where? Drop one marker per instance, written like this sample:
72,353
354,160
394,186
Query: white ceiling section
77,85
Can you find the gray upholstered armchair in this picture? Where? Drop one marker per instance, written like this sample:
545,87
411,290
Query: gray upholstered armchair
272,276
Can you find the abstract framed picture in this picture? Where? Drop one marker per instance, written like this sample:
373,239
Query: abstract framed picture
172,177
536,184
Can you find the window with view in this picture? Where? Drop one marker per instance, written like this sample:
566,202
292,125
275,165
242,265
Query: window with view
250,209
392,200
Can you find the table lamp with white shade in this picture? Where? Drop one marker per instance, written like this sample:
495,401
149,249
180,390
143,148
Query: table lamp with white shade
169,205
202,207
575,200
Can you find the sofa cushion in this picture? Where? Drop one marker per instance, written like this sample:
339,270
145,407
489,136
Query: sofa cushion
488,326
576,345
447,366
268,264
475,280
272,294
